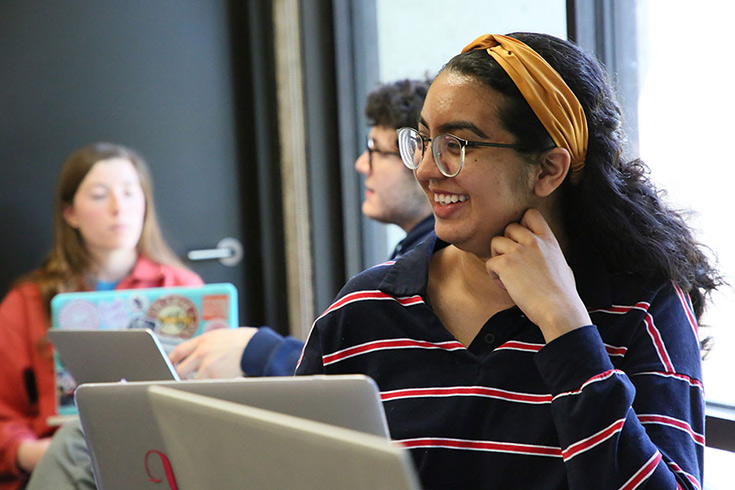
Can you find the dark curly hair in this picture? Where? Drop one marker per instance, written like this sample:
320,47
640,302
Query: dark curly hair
615,209
397,104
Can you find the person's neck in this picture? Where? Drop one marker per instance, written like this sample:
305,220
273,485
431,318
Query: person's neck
472,273
475,280
113,266
410,224
462,294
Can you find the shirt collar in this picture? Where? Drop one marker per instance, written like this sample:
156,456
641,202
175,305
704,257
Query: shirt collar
410,273
146,270
416,235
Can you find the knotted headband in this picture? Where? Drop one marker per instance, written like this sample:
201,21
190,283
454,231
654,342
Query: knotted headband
544,89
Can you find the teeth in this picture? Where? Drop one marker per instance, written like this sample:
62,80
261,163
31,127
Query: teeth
445,199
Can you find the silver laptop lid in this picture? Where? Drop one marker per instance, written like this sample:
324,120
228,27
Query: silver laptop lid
216,444
128,452
99,356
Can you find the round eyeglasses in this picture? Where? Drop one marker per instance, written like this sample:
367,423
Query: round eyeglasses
371,149
448,150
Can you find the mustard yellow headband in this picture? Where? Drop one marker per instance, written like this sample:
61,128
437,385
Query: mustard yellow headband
544,89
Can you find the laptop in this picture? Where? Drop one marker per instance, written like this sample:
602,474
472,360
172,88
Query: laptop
173,314
216,444
127,450
99,356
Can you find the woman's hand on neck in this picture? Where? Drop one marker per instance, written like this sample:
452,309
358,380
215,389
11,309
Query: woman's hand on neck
530,262
526,268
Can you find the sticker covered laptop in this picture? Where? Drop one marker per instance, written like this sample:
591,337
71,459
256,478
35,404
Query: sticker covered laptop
173,314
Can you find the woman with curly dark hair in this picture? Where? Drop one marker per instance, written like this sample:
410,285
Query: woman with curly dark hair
547,338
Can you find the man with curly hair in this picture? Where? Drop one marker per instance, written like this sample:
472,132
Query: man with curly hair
392,196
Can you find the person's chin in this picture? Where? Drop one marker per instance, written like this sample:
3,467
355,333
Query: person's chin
447,233
370,210
461,238
124,243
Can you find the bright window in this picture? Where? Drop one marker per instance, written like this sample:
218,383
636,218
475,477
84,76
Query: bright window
686,113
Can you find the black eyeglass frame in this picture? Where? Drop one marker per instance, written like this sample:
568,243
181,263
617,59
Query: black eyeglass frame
372,150
405,133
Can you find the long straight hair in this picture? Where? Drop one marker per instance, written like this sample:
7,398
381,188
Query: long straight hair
67,266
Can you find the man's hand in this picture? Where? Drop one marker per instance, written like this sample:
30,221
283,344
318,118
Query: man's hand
213,354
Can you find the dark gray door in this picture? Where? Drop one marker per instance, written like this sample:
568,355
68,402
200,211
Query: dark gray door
155,76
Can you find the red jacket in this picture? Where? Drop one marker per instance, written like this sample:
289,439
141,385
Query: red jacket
26,357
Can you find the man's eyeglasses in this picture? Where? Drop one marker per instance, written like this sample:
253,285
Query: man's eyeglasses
448,150
371,149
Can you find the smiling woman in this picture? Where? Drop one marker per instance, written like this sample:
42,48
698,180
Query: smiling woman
547,337
106,236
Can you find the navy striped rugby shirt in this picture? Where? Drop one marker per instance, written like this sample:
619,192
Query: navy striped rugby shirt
618,404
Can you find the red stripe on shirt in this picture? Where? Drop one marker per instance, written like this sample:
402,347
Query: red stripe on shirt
651,328
491,446
521,346
682,377
686,303
658,344
681,471
615,351
643,474
371,295
594,379
621,310
383,264
586,444
672,422
379,345
529,347
481,391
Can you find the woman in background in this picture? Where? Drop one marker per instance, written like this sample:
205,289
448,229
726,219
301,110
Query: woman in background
106,236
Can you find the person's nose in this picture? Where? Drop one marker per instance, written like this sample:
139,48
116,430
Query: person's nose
115,201
427,169
362,164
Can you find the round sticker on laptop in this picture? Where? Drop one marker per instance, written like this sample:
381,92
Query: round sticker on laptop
79,314
174,316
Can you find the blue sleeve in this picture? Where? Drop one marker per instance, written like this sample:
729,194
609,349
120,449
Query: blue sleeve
270,354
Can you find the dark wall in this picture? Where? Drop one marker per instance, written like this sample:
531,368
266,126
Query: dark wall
154,75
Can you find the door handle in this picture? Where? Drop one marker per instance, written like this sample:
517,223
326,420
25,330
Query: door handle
228,252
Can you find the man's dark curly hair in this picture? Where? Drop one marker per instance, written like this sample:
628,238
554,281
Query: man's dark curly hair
396,104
